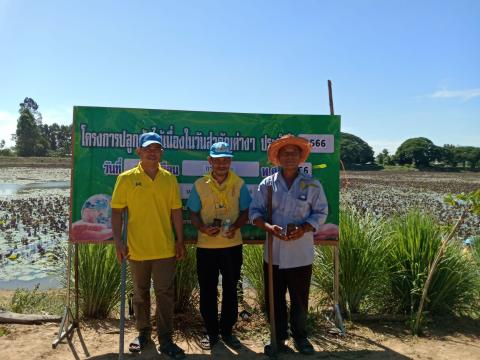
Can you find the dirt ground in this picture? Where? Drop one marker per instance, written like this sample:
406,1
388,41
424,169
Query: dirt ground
459,340
443,339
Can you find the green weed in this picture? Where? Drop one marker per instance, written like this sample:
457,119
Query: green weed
186,282
99,280
253,272
362,261
34,301
416,238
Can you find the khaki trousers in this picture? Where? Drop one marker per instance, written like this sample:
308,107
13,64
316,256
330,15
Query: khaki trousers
162,271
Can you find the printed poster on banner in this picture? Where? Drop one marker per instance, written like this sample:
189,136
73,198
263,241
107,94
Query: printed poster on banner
105,139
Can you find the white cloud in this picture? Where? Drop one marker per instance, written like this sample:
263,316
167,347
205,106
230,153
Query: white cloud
8,126
464,95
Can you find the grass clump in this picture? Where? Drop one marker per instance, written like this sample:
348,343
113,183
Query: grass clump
4,331
99,280
362,262
415,241
35,301
186,283
253,272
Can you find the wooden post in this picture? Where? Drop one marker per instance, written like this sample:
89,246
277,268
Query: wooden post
273,332
336,251
330,97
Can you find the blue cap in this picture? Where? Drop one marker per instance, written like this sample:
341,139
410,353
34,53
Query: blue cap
220,149
149,138
468,241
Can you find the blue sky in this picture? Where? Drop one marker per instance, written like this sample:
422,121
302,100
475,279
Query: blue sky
400,69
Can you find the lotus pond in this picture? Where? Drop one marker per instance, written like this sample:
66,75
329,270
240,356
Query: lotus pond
34,212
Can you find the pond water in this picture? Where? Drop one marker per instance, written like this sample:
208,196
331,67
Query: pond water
33,233
8,189
48,282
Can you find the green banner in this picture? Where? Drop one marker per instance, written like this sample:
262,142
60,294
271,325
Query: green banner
105,139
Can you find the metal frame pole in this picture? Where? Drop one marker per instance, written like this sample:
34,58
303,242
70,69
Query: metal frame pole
336,250
123,280
77,310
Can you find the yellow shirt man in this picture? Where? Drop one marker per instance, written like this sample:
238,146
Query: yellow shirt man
149,202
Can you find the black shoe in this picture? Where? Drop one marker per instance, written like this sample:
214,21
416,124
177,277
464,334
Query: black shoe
208,342
281,348
172,350
303,346
232,341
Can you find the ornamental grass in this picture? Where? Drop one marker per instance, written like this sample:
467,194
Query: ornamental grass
412,246
252,270
362,262
186,283
99,280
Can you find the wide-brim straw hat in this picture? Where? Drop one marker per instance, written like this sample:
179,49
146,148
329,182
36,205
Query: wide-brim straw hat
285,140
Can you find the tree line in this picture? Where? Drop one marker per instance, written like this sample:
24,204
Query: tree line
34,138
418,152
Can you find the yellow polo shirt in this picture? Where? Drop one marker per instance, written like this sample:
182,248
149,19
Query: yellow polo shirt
149,203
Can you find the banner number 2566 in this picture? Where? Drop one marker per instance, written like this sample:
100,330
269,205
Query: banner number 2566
320,143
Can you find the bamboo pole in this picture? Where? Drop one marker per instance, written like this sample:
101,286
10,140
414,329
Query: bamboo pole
273,332
336,250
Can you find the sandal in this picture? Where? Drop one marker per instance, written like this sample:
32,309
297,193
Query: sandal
172,350
208,342
138,344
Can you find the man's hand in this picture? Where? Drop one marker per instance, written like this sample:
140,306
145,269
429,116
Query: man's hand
275,230
300,230
180,250
297,233
122,251
210,230
231,232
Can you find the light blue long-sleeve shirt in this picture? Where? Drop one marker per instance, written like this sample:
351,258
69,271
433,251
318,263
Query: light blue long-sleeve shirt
305,201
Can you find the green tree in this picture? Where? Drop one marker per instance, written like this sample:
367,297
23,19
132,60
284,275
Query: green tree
30,135
417,151
27,135
468,155
449,155
4,151
354,150
384,158
65,140
52,134
59,138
